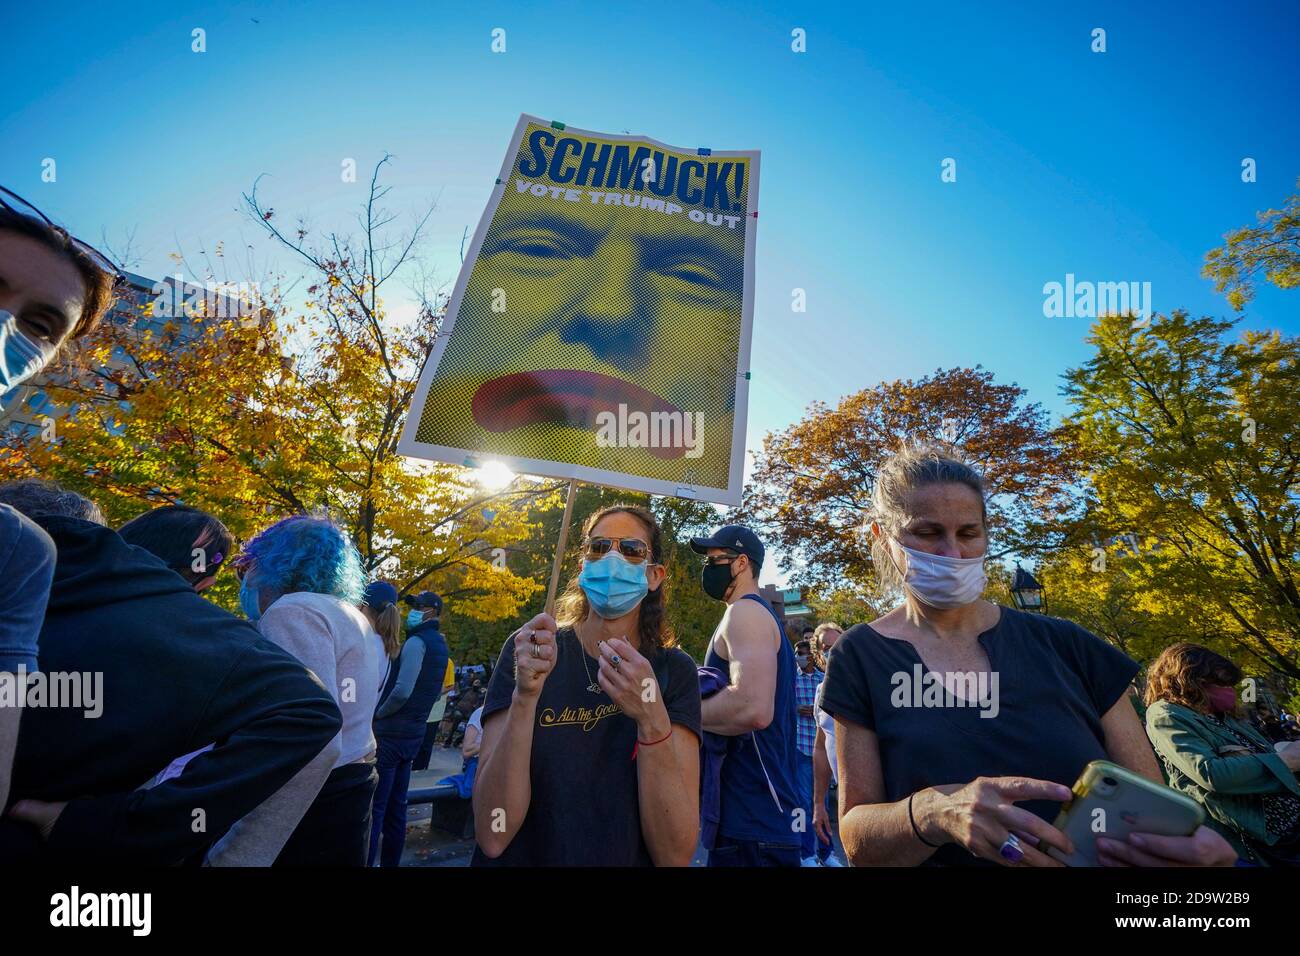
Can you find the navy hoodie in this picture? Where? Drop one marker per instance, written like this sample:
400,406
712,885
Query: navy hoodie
178,674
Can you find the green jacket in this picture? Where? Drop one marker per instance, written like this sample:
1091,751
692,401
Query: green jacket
1192,747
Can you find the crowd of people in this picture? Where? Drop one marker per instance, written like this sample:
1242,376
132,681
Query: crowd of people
964,782
288,736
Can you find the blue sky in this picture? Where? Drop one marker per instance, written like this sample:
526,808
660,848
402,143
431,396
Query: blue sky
1123,165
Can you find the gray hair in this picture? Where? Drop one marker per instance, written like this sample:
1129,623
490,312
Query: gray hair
34,497
912,467
823,628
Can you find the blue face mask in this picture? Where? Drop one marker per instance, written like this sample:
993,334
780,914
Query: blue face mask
413,618
20,357
248,599
613,585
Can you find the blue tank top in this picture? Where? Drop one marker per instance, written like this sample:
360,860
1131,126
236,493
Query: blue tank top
759,794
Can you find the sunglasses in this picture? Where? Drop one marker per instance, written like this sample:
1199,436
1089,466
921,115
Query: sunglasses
634,549
22,207
720,558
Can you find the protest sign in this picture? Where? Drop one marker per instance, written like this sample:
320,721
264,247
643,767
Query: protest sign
600,326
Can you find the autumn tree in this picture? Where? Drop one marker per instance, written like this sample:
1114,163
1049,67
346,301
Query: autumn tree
693,614
293,407
812,482
1099,585
845,607
1192,445
1270,250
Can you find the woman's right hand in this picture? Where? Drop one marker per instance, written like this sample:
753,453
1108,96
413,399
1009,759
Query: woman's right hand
981,814
535,653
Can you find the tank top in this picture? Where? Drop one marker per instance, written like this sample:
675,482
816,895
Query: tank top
759,795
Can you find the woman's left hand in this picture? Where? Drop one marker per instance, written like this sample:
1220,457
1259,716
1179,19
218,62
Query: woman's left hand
1202,848
631,684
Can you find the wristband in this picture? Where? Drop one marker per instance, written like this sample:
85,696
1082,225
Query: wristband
639,744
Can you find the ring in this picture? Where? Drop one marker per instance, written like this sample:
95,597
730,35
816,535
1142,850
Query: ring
537,650
616,660
1010,849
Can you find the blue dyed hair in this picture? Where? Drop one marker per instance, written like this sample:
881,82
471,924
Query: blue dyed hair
303,553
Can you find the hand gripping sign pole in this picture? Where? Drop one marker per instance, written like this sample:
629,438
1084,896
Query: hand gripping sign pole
560,546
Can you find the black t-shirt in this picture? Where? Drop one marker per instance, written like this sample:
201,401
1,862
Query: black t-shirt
584,809
1055,680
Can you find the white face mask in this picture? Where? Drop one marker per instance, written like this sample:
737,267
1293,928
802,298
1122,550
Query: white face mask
20,357
942,582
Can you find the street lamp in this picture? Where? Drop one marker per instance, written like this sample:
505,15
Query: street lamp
1027,592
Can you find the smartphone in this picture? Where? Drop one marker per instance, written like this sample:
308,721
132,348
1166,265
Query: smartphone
1113,802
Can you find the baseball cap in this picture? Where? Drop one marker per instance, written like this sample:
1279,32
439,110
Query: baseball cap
735,538
425,599
380,594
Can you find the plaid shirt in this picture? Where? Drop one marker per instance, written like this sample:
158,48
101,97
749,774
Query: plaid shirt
805,695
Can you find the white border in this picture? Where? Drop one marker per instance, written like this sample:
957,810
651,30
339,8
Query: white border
730,495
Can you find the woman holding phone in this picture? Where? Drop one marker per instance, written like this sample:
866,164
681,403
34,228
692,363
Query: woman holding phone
961,724
590,756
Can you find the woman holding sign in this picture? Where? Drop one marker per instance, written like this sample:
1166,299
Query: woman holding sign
590,756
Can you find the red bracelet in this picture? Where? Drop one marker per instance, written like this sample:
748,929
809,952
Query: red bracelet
638,745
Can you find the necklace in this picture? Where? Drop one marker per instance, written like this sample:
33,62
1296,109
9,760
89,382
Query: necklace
582,651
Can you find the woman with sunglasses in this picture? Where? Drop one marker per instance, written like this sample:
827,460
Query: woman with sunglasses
590,755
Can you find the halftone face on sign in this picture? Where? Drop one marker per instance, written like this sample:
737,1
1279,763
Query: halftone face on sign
583,301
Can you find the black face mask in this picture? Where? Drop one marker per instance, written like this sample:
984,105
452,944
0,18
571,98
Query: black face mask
715,579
